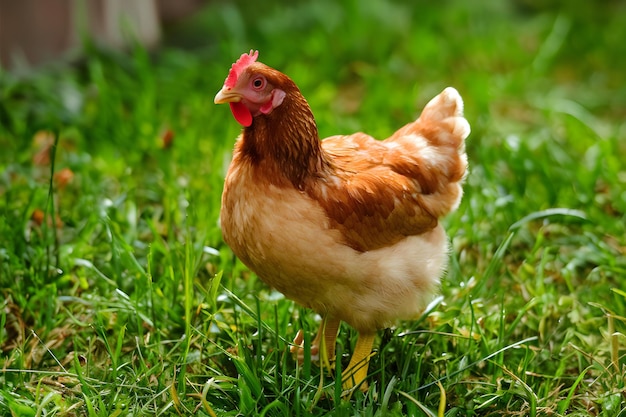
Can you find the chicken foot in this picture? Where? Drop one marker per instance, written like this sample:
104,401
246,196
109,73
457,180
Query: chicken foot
323,343
323,350
356,372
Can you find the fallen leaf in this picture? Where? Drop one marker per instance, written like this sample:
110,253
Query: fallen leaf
42,142
63,177
167,138
39,215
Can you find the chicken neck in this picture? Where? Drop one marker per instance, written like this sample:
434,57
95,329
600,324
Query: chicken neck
285,146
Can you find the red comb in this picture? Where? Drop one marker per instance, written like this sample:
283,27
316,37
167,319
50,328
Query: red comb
238,67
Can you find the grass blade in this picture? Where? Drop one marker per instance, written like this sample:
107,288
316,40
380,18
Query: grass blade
543,214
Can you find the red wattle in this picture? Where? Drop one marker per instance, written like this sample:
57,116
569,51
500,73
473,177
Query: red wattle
241,113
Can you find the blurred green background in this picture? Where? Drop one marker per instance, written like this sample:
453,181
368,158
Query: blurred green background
120,297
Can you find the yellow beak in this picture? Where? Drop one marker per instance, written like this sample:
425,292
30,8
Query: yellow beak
227,95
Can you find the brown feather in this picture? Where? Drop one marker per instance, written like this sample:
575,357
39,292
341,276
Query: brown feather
374,192
347,226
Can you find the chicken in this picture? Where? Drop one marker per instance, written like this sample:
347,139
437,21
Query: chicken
348,226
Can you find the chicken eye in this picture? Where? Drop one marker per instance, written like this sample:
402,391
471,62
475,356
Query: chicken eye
258,83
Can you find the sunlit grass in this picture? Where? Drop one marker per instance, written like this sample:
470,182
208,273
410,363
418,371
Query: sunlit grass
120,297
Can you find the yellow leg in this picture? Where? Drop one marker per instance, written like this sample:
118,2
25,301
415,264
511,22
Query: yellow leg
329,328
322,347
356,372
327,335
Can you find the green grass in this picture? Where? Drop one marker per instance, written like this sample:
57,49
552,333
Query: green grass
131,304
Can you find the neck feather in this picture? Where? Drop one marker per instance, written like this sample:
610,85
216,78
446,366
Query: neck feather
285,144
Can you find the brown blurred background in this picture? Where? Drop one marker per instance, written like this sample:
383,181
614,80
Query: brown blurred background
33,32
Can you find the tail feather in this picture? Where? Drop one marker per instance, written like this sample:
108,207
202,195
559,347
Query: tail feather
446,111
446,104
431,151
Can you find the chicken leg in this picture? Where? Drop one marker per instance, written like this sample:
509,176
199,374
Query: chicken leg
356,372
323,346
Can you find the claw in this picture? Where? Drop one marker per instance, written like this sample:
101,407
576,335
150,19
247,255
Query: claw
297,348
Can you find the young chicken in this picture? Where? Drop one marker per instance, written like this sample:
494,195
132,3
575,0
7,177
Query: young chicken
347,226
